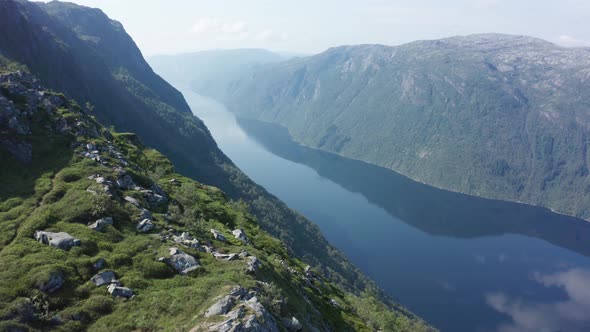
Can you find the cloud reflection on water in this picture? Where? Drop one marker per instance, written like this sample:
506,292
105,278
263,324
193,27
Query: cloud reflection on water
571,314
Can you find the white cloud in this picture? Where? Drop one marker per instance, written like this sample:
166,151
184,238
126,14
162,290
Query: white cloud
227,30
221,28
569,41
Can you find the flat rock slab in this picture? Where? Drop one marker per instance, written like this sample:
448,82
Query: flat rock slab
61,240
220,307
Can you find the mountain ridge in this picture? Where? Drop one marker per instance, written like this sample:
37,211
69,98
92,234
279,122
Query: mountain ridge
491,115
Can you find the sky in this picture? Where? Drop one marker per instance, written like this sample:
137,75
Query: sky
311,26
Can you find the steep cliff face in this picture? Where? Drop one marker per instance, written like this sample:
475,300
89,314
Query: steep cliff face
491,115
80,51
98,233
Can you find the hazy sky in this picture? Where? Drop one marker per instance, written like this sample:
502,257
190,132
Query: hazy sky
310,26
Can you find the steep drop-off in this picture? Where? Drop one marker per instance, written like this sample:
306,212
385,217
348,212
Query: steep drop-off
81,52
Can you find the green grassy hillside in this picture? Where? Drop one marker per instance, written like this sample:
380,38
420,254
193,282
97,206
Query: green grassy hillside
89,57
137,249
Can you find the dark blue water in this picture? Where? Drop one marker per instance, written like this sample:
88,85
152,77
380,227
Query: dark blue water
462,263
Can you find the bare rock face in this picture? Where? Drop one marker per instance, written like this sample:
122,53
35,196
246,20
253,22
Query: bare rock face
59,240
220,307
100,224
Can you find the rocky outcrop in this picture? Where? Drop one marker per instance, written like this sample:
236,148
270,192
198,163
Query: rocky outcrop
59,240
253,265
233,308
187,240
145,214
240,235
153,198
220,307
125,182
100,224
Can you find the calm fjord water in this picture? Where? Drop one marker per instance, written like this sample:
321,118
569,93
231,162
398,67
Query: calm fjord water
462,263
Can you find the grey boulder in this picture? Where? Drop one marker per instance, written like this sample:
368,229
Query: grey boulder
181,262
253,265
61,240
240,235
103,278
145,226
118,291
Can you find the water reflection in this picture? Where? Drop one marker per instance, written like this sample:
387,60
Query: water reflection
460,262
435,211
569,314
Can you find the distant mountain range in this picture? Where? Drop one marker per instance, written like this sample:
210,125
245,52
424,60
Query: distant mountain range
210,70
491,115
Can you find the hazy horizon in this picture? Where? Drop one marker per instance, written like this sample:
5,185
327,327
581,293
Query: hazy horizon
305,27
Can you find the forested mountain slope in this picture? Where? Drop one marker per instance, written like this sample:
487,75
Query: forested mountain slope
492,115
